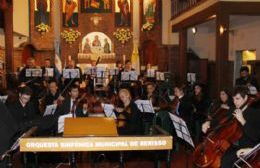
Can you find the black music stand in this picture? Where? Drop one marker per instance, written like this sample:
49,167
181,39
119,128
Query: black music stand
182,132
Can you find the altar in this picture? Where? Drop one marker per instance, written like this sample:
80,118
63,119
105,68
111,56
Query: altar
96,46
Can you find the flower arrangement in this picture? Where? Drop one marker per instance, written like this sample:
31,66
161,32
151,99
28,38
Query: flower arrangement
70,35
43,28
147,26
123,35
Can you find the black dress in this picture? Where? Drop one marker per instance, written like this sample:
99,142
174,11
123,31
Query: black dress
133,124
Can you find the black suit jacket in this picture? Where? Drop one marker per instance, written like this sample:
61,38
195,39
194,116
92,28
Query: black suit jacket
8,129
65,109
251,129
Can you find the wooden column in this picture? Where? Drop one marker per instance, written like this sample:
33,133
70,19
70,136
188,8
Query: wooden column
8,29
222,49
183,55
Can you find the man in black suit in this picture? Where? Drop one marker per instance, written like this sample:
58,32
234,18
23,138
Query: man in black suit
249,119
8,129
70,104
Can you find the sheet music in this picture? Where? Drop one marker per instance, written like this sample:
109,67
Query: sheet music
191,77
129,76
145,106
181,129
160,76
49,72
33,72
151,73
71,73
61,122
3,98
109,110
91,71
49,110
114,71
101,72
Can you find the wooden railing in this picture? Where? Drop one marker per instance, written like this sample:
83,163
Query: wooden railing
180,6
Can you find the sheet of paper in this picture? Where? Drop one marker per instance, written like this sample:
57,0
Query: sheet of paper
61,122
151,73
91,71
3,98
109,110
49,110
145,106
49,72
71,73
181,129
113,71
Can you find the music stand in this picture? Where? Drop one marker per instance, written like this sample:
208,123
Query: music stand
114,72
33,72
49,72
71,73
145,106
129,76
181,129
91,71
150,73
160,76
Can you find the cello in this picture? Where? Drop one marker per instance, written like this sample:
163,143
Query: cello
210,151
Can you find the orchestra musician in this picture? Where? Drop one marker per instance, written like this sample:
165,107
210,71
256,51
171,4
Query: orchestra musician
53,93
249,119
34,83
151,94
70,104
90,77
225,103
24,110
46,76
132,115
184,106
72,65
8,129
201,102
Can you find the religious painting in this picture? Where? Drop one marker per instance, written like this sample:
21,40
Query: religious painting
96,43
42,12
122,13
70,13
96,6
149,9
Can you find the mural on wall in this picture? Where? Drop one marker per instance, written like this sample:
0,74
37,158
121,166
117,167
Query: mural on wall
149,8
96,43
122,13
42,12
70,13
96,6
